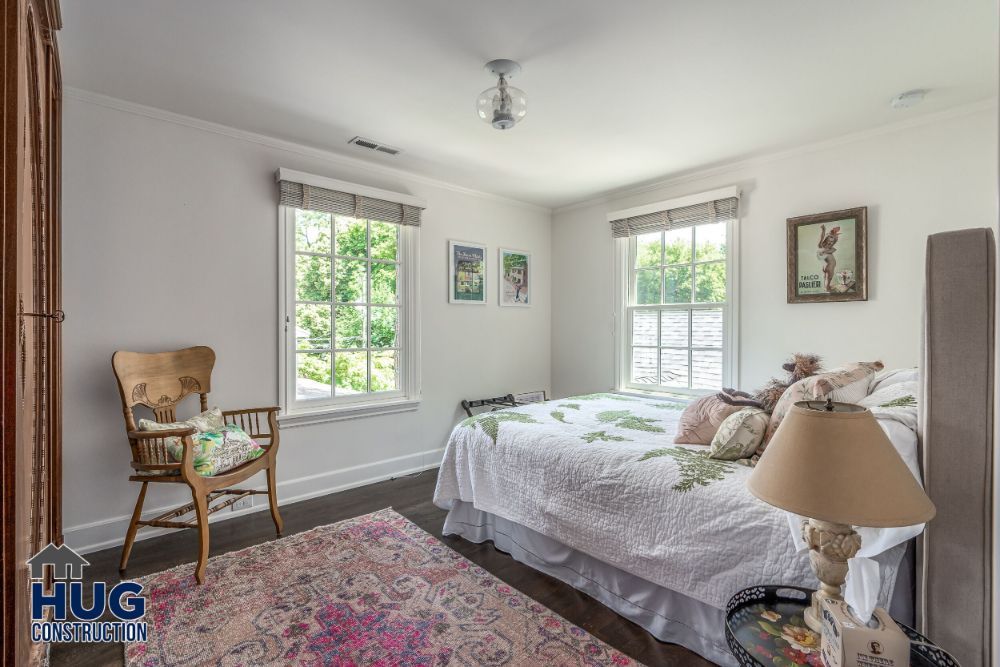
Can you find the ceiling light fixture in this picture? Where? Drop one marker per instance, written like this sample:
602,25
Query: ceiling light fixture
910,98
502,106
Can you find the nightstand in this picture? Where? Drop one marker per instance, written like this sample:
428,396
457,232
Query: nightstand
765,627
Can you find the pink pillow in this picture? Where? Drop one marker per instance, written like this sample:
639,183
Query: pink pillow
701,419
819,387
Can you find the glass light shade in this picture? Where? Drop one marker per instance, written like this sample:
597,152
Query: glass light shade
502,106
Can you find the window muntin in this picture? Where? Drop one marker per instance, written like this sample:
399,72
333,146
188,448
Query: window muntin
679,304
346,315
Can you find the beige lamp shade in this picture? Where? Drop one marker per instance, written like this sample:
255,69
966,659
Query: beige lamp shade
838,466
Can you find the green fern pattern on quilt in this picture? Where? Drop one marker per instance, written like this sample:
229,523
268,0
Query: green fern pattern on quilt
694,467
625,419
667,405
602,436
901,402
609,416
570,406
490,422
639,424
559,416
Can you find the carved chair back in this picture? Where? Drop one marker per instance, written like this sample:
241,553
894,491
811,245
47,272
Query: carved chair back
161,380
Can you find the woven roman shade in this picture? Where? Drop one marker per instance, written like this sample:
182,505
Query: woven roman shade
717,210
313,198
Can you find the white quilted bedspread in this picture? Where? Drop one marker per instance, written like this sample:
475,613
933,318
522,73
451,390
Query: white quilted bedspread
601,474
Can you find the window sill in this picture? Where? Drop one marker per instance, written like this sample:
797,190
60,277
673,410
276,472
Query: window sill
334,413
657,395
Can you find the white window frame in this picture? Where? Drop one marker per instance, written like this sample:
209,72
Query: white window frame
407,397
624,289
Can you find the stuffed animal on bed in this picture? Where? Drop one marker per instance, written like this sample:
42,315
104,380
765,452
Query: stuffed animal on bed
800,366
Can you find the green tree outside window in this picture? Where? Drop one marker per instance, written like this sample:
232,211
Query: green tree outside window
347,310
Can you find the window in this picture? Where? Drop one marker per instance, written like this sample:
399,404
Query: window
677,320
348,320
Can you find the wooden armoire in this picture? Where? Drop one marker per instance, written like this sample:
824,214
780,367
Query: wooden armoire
31,302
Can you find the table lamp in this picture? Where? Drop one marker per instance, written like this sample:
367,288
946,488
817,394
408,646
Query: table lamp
832,462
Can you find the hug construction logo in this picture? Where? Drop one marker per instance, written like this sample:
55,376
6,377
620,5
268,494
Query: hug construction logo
66,600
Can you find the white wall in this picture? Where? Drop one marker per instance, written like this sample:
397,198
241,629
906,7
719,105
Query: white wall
170,240
915,180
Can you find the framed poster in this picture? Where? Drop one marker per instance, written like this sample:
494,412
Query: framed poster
515,276
466,273
828,256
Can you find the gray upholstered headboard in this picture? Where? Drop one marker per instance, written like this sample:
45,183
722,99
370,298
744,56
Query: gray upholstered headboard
954,565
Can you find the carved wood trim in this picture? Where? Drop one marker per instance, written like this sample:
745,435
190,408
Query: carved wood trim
189,385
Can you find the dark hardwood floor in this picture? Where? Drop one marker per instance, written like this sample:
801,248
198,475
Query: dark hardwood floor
411,497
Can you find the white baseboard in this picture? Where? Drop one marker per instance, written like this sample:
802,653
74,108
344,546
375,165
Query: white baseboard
110,532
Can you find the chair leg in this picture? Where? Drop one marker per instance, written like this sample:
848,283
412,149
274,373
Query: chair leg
272,497
201,511
133,528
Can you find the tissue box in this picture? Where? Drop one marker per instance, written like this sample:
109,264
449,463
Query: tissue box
847,642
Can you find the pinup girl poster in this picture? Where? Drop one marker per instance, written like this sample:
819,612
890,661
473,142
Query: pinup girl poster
827,257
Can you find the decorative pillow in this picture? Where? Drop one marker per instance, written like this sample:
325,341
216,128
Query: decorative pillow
897,395
739,435
701,419
209,420
218,451
899,402
205,422
893,376
846,385
849,384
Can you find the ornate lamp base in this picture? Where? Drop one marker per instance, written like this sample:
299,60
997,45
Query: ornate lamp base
830,547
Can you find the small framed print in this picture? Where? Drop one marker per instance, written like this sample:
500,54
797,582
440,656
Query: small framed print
466,273
515,278
828,256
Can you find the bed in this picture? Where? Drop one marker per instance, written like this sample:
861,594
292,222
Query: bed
593,491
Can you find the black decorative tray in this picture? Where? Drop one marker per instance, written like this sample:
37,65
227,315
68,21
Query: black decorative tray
765,626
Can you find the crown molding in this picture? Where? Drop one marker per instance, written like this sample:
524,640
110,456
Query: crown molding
764,158
678,178
304,150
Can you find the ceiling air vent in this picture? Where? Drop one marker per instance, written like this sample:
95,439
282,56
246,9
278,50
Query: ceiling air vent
374,146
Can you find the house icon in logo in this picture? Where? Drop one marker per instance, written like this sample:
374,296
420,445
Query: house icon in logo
65,563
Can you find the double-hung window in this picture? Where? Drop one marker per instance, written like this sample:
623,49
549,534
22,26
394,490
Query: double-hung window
677,307
348,309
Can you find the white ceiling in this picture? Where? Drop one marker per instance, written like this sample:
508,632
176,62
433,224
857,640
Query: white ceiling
618,92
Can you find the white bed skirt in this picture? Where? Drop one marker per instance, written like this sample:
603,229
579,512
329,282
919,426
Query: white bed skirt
669,616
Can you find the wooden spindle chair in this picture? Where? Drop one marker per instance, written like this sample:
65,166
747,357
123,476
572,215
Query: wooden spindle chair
160,381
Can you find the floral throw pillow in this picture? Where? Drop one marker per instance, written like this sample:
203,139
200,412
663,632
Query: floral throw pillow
740,435
848,384
216,452
209,420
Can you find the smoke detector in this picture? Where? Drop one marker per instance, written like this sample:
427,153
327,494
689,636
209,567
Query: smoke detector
376,146
910,98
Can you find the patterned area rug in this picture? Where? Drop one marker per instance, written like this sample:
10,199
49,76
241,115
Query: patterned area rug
375,590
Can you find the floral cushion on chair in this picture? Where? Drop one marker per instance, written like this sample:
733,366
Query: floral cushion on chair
218,446
209,420
216,452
